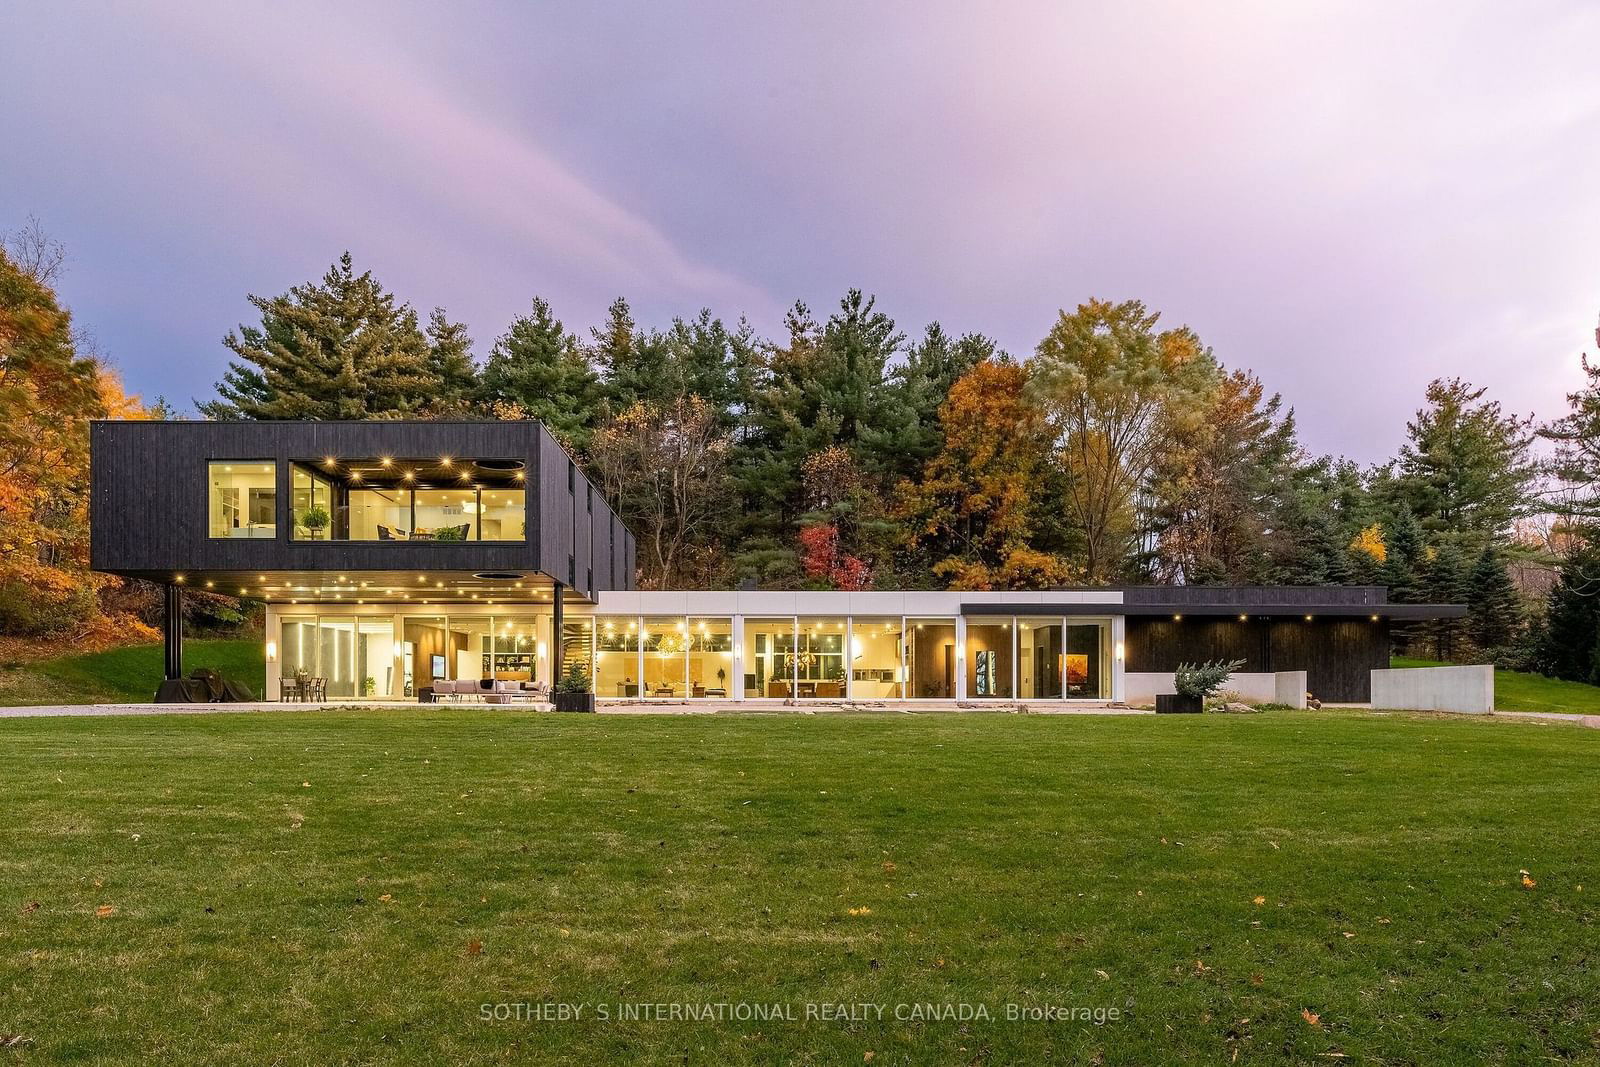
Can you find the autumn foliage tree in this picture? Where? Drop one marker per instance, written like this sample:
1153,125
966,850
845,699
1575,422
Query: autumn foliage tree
48,394
1115,392
664,466
979,506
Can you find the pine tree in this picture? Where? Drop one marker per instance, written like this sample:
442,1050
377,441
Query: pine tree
339,349
1401,571
450,359
634,365
1494,609
932,366
1572,620
539,366
1445,582
1465,469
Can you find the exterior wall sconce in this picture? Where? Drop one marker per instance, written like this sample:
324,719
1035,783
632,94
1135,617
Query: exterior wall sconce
543,650
272,651
1119,650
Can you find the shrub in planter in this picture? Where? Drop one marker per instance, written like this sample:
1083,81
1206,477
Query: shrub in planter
572,691
1194,684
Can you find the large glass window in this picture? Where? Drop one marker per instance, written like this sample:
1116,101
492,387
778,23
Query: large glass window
665,642
516,648
397,499
710,657
298,649
312,498
768,658
577,647
616,656
876,668
379,514
504,514
427,656
244,498
446,515
1084,666
989,659
819,658
1040,658
931,659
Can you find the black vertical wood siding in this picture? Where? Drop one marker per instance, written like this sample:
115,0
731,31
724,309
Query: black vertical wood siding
149,506
1337,654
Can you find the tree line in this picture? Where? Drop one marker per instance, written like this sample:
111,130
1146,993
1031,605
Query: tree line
848,453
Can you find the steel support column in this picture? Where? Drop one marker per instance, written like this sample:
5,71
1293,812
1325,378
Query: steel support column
557,625
172,630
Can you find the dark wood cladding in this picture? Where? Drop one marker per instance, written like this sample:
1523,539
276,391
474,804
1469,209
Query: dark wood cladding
1338,655
1247,595
149,511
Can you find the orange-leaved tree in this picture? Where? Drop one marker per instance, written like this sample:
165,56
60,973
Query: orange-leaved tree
980,508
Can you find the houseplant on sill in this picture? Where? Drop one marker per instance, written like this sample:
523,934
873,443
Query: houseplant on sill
572,691
1194,683
315,520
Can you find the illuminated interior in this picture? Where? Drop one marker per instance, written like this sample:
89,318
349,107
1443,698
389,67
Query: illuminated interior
243,498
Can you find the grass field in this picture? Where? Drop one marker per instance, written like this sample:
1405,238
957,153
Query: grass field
355,886
124,675
1516,691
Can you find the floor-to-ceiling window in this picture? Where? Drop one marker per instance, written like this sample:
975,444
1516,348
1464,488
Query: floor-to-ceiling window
877,668
768,658
710,657
665,643
931,659
989,659
516,648
616,656
1039,658
1086,673
819,657
375,657
426,652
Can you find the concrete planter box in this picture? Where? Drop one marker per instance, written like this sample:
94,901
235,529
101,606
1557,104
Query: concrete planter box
1178,704
572,701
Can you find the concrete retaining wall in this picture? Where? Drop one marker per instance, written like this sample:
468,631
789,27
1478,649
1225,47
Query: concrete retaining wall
1283,687
1435,689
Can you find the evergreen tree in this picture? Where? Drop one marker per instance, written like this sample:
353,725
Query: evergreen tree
702,360
1494,616
1402,571
932,366
634,365
1465,469
1445,582
1571,627
339,349
450,359
539,366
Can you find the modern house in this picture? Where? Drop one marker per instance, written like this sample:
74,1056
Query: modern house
396,556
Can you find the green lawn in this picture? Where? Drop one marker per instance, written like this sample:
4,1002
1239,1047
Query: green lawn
1517,691
124,675
353,886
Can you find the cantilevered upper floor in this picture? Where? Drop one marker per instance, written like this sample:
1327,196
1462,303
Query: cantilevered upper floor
334,511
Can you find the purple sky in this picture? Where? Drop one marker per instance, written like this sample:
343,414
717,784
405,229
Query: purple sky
1347,199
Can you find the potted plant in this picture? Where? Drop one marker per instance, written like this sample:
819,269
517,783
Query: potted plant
448,533
1194,683
369,686
314,519
572,691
